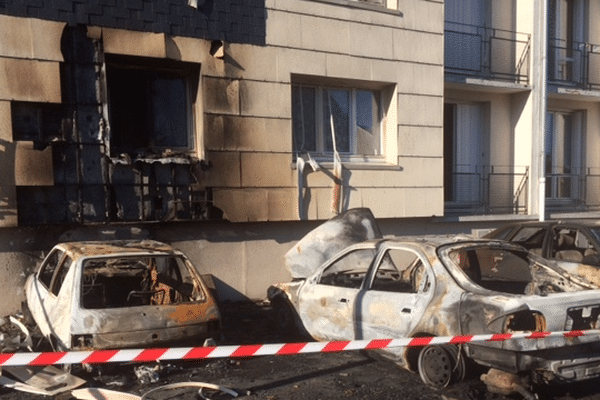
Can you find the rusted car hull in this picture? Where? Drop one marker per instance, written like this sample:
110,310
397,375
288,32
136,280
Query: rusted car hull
463,287
119,295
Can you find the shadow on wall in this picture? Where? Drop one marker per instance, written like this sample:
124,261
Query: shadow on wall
222,291
7,180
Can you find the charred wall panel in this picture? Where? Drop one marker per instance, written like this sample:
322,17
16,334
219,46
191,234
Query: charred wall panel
239,21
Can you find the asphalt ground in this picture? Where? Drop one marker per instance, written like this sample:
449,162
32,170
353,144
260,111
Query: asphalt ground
344,375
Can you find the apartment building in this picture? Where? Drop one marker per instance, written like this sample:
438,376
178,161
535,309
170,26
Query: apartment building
521,115
226,128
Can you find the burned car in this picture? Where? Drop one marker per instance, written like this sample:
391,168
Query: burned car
120,294
574,241
349,283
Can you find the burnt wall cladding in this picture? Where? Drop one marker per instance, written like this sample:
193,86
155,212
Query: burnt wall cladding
238,21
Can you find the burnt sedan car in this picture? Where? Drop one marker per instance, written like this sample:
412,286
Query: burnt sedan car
380,288
119,294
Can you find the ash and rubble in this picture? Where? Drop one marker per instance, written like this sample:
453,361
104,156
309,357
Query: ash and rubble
347,375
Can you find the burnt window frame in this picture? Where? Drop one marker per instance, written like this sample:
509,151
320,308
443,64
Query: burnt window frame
118,68
37,122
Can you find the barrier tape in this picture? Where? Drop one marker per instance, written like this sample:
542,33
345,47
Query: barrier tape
253,350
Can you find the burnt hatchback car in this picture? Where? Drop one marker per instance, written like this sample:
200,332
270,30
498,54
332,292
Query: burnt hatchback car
120,294
380,288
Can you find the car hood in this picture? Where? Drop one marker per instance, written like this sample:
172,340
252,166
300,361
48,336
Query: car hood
322,243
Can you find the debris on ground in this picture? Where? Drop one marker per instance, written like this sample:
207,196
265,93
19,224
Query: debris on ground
147,374
104,394
47,381
14,335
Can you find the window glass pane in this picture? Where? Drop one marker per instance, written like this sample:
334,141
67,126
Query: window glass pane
336,104
367,121
169,112
304,118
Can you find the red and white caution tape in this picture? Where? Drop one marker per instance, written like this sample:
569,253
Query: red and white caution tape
252,350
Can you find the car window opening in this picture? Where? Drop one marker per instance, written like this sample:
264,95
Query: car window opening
494,269
137,281
350,270
400,271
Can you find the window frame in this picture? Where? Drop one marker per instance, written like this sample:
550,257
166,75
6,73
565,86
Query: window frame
385,97
155,68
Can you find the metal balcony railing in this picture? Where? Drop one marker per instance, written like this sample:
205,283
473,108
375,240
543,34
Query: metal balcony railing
575,64
493,190
488,53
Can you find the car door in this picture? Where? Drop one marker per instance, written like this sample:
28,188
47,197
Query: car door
50,310
327,300
397,296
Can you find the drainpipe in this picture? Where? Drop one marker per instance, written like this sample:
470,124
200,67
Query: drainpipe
540,96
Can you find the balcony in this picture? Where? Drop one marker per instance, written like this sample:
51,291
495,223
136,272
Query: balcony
493,190
486,53
574,64
574,192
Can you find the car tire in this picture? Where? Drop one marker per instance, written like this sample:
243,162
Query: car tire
440,366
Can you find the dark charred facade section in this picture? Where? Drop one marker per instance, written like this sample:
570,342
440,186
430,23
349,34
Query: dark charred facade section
236,21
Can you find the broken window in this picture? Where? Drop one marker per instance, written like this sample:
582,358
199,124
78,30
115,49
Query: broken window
531,237
150,105
60,275
50,266
36,122
400,271
354,115
349,270
137,281
572,245
494,268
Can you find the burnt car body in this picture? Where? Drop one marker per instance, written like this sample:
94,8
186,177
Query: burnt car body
574,241
441,286
574,244
120,294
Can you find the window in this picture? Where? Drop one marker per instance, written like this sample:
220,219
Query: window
36,122
138,281
400,271
567,34
61,275
463,152
349,270
150,105
563,154
50,265
355,114
494,268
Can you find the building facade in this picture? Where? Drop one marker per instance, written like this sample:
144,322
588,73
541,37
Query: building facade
228,129
521,116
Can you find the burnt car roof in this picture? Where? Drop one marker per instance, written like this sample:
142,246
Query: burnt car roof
111,247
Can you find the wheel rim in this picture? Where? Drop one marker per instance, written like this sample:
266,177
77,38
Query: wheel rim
438,366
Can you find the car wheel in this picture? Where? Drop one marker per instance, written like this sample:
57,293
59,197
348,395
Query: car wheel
283,316
440,366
